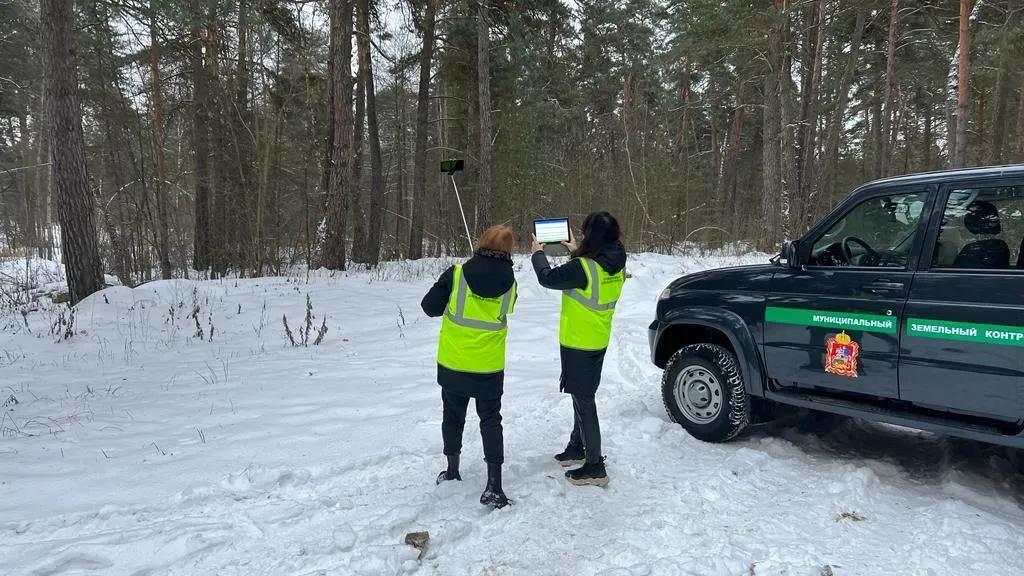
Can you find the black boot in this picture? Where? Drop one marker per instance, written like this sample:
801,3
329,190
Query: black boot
493,495
590,474
452,473
572,456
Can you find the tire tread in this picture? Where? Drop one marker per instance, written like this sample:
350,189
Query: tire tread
726,363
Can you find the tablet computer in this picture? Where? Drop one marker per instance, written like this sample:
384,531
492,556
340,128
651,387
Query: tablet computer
551,232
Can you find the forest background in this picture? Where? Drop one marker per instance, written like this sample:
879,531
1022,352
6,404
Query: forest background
164,138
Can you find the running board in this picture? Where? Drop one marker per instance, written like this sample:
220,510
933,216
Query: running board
973,431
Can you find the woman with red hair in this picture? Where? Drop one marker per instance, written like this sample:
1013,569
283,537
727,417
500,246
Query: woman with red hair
474,300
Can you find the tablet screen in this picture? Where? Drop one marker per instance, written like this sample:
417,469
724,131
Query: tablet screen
552,231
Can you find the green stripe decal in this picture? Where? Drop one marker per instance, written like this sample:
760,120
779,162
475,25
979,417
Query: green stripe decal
830,319
966,332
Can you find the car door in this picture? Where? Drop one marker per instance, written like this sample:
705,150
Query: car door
833,324
964,327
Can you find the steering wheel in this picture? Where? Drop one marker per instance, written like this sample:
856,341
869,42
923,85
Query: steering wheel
848,254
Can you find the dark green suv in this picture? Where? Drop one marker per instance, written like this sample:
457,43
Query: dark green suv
904,305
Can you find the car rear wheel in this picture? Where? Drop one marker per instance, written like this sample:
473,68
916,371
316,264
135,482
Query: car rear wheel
703,391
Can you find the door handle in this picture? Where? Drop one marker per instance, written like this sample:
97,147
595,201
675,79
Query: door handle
883,286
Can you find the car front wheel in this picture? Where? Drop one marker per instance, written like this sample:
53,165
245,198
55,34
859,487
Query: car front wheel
703,391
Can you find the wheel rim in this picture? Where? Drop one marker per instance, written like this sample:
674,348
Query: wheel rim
698,394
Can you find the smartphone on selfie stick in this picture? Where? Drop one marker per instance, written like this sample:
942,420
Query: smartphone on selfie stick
551,232
450,167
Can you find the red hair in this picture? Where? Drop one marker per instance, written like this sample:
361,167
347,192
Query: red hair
498,238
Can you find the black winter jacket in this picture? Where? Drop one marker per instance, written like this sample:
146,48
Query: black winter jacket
611,257
581,369
489,274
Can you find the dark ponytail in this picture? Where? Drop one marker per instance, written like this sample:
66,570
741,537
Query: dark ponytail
599,229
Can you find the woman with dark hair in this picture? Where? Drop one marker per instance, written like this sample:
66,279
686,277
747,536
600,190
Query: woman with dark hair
475,300
591,283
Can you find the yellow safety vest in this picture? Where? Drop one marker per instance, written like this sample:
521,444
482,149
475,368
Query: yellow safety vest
473,329
586,322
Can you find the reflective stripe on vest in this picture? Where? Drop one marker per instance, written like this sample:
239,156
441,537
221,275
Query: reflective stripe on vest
474,328
586,321
459,317
594,302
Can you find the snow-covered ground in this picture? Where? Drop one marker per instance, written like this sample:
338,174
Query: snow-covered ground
179,432
29,273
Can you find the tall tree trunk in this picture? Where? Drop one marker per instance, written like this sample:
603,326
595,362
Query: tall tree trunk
830,161
787,110
341,155
929,130
808,180
875,136
890,86
716,157
401,216
220,238
200,142
1020,124
242,74
28,228
809,18
356,203
726,193
422,118
264,189
771,157
245,243
963,85
273,210
951,121
682,212
163,227
44,179
483,74
324,188
373,243
1001,121
981,128
76,206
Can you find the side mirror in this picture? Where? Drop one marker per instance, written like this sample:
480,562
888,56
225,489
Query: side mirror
791,253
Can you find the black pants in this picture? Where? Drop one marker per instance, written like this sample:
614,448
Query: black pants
586,430
454,422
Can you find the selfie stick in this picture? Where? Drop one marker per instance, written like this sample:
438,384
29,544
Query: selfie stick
469,237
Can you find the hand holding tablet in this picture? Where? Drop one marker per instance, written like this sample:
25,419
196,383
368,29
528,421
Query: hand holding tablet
554,236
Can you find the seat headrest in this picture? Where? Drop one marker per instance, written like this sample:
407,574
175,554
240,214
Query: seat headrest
982,218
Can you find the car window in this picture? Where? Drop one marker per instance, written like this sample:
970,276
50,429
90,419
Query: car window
878,232
982,229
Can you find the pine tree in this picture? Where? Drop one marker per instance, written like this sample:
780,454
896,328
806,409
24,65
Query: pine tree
76,206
